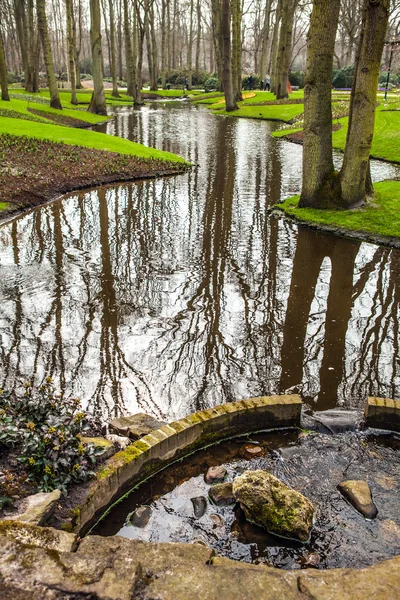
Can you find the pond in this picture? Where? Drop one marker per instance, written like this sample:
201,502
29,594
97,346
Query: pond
172,295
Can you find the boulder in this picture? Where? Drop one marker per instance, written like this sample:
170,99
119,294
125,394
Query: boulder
37,509
199,506
135,426
221,494
358,493
215,475
104,447
271,504
40,537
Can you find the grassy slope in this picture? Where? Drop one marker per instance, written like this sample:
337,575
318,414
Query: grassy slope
379,218
78,137
280,112
21,106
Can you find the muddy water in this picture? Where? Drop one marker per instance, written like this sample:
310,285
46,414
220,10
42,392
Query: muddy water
173,295
314,465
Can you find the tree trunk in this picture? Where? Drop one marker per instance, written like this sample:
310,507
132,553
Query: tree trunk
198,42
77,49
265,39
163,44
128,52
190,47
218,41
354,173
236,8
285,48
71,50
3,73
139,35
114,76
21,25
33,48
318,169
275,46
47,55
98,102
227,59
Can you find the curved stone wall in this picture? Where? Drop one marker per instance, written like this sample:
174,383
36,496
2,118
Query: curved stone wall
176,440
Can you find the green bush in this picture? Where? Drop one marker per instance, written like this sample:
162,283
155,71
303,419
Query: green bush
296,78
394,78
256,82
211,84
47,430
343,78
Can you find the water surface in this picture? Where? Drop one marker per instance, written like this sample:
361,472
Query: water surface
173,295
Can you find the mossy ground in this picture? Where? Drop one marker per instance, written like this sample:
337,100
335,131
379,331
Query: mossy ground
380,217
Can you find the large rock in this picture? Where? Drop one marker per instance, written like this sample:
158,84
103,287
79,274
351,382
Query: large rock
37,509
271,504
358,493
41,537
135,426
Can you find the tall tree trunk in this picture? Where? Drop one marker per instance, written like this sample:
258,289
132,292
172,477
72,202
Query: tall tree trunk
190,46
21,25
98,102
355,169
47,55
265,39
128,51
71,50
77,49
164,51
198,41
237,13
227,59
33,48
272,68
285,48
3,73
113,51
318,169
218,41
139,35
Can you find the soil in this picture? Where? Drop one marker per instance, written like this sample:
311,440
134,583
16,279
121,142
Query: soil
34,171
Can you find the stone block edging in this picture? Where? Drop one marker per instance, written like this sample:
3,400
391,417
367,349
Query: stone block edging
174,441
383,413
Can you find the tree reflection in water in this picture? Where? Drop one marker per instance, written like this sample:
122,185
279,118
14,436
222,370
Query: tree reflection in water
175,295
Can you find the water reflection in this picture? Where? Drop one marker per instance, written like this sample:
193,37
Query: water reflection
173,295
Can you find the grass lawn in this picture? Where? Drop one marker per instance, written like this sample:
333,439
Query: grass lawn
386,142
22,106
381,217
78,137
276,112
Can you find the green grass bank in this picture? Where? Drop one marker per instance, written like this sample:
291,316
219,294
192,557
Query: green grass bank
378,221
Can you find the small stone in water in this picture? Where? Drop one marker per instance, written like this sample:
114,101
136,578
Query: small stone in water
199,506
358,493
250,451
215,474
217,520
311,559
222,494
141,516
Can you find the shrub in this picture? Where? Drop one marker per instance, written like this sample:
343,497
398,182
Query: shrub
256,82
343,78
296,78
47,431
211,84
